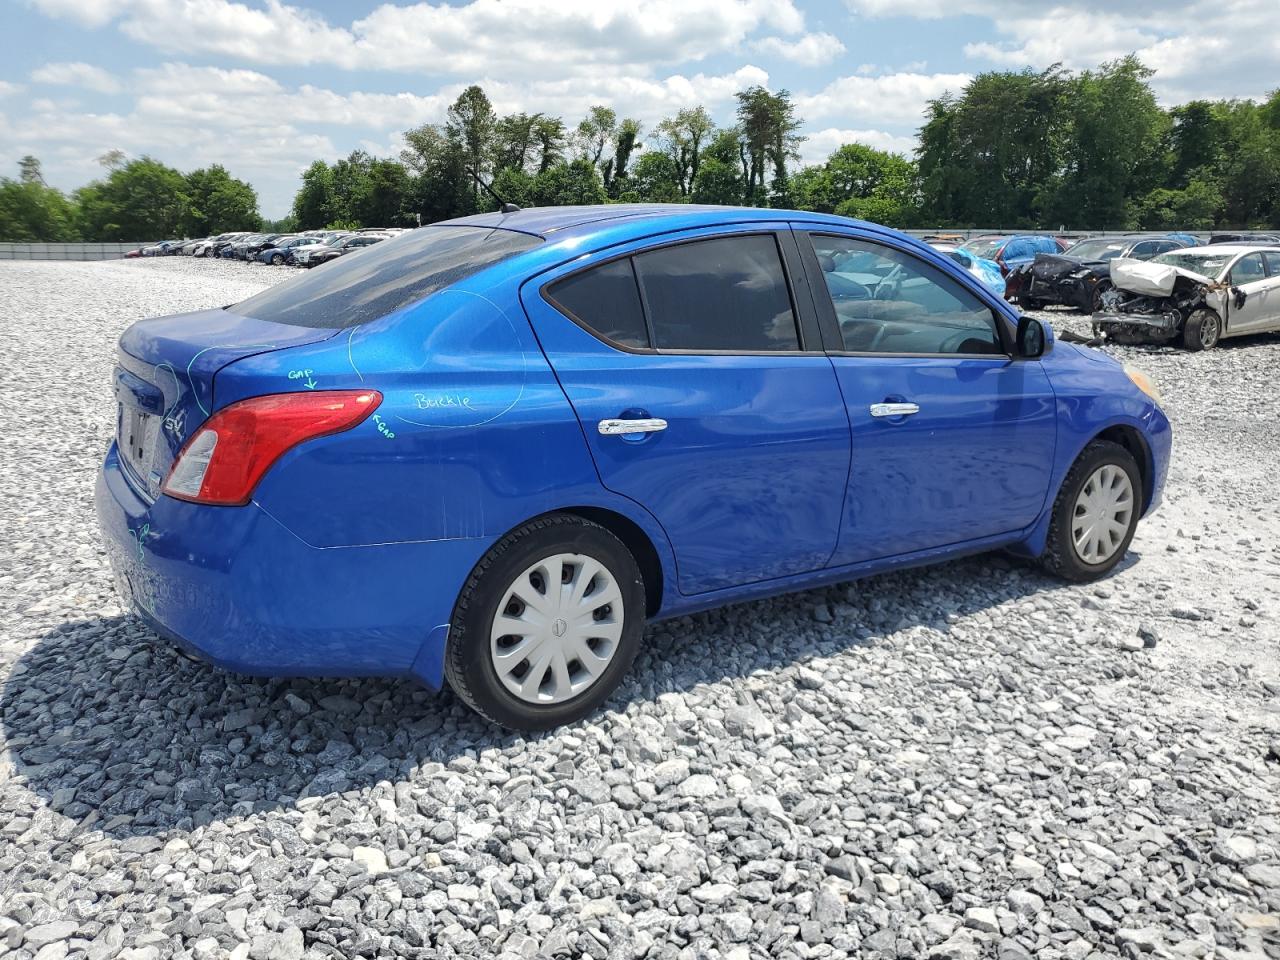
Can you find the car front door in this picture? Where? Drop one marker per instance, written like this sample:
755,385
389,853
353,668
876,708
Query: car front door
1249,277
704,395
953,441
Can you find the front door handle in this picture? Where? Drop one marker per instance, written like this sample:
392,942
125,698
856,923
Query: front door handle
894,409
612,428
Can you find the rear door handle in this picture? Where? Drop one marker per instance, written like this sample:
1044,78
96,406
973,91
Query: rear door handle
615,427
894,409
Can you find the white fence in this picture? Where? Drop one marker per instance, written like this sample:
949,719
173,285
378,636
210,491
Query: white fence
67,251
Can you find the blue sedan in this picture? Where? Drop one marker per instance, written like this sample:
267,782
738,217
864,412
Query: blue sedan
488,451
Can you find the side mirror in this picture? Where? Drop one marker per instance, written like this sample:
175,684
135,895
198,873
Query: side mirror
1034,338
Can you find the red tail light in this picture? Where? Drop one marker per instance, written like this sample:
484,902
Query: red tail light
223,461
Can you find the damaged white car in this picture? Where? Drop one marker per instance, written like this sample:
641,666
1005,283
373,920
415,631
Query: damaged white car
1199,296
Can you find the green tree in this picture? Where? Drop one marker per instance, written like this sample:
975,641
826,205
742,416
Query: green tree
719,179
1196,206
768,126
595,133
986,155
551,138
441,186
656,178
140,200
626,142
1114,133
862,182
32,212
216,202
576,182
470,124
682,138
312,204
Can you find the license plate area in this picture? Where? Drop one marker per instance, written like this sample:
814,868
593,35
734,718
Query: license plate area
136,436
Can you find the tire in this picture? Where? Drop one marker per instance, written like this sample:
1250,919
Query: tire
1202,330
1030,303
277,259
1063,557
519,560
1095,302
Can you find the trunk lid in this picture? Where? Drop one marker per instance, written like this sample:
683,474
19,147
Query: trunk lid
164,380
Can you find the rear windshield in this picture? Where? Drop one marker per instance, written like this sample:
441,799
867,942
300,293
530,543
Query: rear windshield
984,249
374,281
1098,249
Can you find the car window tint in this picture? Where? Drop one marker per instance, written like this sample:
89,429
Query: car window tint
605,300
1248,269
1143,250
373,282
1273,263
888,301
727,293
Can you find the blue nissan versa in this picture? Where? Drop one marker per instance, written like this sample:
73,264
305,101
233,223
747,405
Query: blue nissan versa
489,450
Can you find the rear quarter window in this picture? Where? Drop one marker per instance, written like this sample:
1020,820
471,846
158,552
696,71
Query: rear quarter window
378,279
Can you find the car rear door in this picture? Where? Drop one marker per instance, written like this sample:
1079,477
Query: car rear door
953,441
704,395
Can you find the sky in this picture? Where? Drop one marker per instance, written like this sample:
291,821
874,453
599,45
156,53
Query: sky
264,87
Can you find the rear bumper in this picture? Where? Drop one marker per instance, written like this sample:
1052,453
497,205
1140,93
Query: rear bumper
235,587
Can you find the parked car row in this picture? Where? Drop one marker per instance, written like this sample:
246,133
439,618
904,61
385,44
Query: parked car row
306,249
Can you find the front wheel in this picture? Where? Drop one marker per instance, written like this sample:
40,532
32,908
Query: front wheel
547,624
1202,331
1095,514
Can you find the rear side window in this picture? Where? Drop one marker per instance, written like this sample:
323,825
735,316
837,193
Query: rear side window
723,294
370,283
1273,262
606,301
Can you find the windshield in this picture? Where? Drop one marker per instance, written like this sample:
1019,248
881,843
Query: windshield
984,249
373,281
1212,266
1097,249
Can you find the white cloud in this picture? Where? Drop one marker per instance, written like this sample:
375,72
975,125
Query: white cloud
896,99
77,75
267,132
8,89
820,144
810,50
523,36
1198,48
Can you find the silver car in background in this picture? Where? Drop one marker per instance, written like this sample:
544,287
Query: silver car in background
1198,295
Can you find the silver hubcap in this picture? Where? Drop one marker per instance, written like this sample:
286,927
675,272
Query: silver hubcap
1103,513
1210,330
557,628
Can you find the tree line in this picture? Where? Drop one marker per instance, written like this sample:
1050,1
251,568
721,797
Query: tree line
1015,149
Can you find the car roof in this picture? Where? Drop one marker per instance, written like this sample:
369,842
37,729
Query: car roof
548,221
1229,249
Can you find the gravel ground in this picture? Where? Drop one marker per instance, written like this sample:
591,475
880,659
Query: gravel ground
966,761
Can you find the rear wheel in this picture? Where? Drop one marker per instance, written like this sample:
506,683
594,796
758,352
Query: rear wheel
277,259
1202,331
1095,514
547,624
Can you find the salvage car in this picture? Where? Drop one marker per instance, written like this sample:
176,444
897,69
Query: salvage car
1080,275
1197,296
281,250
987,271
490,450
1011,252
347,245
